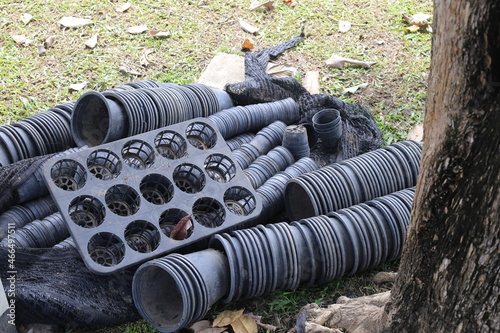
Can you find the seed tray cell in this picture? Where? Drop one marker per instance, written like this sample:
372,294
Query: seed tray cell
122,201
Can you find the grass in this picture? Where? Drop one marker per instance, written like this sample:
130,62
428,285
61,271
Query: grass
396,94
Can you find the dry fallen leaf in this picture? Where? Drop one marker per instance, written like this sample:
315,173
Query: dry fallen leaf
352,90
244,324
41,50
126,69
26,18
74,22
226,317
180,231
123,7
158,34
143,59
344,26
417,21
91,42
311,82
339,62
21,40
204,326
138,29
278,70
416,133
77,86
269,5
247,27
248,43
50,41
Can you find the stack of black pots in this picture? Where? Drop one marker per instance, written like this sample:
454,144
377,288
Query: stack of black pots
353,181
237,141
266,139
101,118
251,118
49,131
170,293
20,215
282,256
40,134
266,166
39,233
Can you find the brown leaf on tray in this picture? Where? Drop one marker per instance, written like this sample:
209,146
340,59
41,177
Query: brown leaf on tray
180,231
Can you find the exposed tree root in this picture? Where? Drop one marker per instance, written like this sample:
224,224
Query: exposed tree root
354,315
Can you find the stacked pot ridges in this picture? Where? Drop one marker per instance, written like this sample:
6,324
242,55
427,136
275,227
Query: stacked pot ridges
237,141
266,166
177,290
282,256
273,190
112,115
367,176
251,118
265,140
39,233
20,215
46,132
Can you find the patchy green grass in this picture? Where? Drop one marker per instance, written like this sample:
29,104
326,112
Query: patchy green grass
396,94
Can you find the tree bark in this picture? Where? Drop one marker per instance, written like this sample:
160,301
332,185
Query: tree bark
449,276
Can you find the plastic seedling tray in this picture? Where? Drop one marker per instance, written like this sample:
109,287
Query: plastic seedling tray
123,201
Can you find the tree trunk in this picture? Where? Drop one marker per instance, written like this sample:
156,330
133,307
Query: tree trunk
449,277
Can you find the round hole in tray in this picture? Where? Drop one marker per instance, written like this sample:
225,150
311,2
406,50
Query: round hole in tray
104,164
87,211
157,189
106,249
142,236
138,154
169,220
170,144
239,201
220,168
201,135
68,175
209,212
122,200
189,178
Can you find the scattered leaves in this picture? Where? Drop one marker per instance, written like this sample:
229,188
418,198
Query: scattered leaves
21,40
269,5
337,61
248,44
77,86
352,90
144,61
226,317
180,231
344,26
244,324
417,22
123,7
50,41
91,42
26,18
158,34
126,69
138,29
41,49
247,27
74,22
